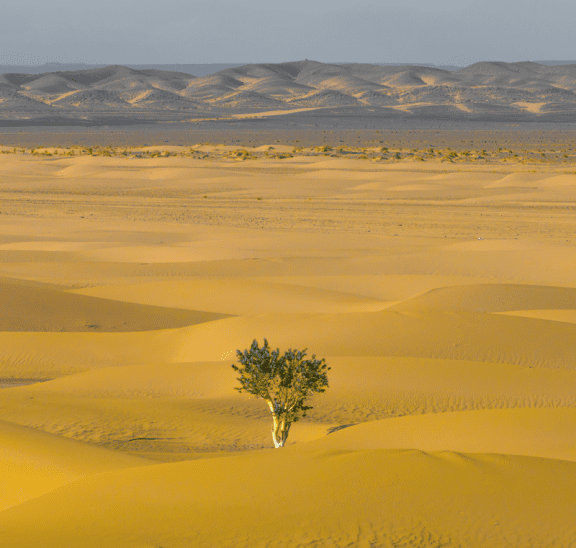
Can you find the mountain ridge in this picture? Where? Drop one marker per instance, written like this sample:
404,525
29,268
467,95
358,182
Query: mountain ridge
526,89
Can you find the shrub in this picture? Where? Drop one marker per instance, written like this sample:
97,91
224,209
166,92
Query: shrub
283,382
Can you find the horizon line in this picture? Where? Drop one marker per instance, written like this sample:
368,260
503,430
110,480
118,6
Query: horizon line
383,63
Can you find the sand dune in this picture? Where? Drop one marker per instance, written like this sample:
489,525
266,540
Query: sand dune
522,74
326,97
274,86
372,388
376,98
492,298
92,97
501,339
34,462
523,91
168,80
194,411
15,80
52,84
533,180
237,297
508,260
542,433
173,411
380,287
49,355
469,500
453,335
159,97
16,102
39,309
210,87
553,315
444,305
267,70
200,380
101,76
247,98
348,84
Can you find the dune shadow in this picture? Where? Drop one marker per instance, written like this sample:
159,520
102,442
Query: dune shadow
11,383
341,427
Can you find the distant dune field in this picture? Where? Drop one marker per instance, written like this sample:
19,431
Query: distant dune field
487,91
441,290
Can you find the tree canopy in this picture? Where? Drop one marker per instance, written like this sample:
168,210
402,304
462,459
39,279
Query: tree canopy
284,381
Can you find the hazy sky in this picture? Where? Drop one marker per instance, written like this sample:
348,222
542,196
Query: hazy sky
189,31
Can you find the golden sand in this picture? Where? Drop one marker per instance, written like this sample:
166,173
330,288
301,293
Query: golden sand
441,293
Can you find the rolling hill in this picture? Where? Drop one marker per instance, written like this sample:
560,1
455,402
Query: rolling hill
525,91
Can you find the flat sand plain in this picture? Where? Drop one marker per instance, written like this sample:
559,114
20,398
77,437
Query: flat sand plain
441,291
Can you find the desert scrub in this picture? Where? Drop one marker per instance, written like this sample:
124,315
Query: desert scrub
284,382
239,154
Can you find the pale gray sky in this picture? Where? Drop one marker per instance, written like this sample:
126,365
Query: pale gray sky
189,31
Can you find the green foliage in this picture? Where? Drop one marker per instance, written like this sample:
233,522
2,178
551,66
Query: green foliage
284,381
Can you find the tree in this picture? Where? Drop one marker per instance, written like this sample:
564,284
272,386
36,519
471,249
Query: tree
283,382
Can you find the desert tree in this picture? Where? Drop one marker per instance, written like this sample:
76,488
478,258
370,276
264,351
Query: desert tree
284,382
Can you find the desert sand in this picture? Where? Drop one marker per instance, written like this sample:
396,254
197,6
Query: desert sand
441,290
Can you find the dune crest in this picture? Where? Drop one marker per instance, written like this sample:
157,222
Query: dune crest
516,91
221,494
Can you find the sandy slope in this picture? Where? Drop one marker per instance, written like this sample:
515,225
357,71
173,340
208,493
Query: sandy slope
34,463
339,498
531,432
497,338
553,315
41,309
242,297
170,411
452,399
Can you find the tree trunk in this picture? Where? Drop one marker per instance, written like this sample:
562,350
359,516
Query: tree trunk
280,429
